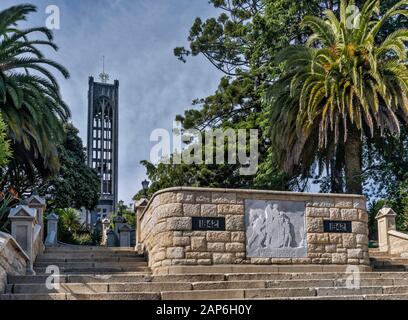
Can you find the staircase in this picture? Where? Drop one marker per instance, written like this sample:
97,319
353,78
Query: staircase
387,262
89,273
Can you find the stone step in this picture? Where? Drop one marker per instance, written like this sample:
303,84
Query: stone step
89,265
89,249
83,278
183,286
355,297
147,276
96,270
93,296
101,258
89,288
280,293
91,255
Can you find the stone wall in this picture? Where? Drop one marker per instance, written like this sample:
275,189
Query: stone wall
166,228
398,242
13,261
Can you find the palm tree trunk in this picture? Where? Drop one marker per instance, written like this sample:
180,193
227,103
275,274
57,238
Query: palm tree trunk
336,171
353,158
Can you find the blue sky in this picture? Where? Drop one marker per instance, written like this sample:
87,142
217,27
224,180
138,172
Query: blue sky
137,37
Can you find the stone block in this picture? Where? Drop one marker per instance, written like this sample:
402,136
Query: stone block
360,228
166,239
349,241
330,248
181,241
301,260
343,203
353,261
363,216
175,253
238,236
219,236
320,248
191,210
216,246
360,204
355,254
168,197
209,210
317,212
159,256
362,239
184,262
186,197
198,244
349,214
260,261
204,197
204,262
169,210
321,261
198,255
335,214
225,209
281,261
335,238
179,224
339,258
317,238
235,223
235,247
223,258
322,202
224,197
314,225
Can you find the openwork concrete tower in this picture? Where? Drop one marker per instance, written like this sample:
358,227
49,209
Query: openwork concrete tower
103,138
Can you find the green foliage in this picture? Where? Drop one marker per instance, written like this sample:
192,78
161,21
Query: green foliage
30,99
76,185
70,230
5,152
84,239
7,200
344,83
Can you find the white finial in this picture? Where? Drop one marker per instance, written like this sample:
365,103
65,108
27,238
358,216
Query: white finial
104,76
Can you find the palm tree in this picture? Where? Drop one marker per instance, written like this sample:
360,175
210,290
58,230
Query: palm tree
344,84
30,99
5,152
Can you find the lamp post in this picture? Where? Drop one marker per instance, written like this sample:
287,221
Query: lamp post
145,185
121,208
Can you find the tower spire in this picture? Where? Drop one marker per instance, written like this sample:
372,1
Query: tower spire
104,76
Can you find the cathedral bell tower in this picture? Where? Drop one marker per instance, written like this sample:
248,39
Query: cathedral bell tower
103,131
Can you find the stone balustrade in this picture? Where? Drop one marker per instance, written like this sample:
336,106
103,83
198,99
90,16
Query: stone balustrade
389,239
165,229
13,259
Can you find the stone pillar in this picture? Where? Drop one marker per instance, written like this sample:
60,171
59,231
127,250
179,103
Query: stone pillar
124,235
105,227
140,206
386,222
52,230
23,219
118,222
111,238
38,203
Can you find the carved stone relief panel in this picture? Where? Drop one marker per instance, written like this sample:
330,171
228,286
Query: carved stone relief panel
275,229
